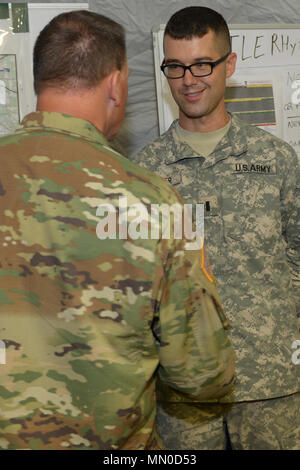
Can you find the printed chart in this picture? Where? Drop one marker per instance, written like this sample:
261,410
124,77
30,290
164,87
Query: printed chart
253,102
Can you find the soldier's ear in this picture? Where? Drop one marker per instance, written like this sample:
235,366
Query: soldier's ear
231,64
115,89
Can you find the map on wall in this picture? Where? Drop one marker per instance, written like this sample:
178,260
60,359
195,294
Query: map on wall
9,97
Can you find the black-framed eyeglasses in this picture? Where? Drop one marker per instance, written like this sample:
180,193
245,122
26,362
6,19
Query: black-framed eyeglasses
199,69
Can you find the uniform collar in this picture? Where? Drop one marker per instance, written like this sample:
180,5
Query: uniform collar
63,123
233,143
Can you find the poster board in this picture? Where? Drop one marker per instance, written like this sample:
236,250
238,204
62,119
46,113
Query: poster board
265,88
16,49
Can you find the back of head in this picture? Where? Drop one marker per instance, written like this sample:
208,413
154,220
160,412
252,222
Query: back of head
196,22
77,50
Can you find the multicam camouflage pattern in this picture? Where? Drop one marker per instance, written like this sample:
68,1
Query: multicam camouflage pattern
86,322
248,186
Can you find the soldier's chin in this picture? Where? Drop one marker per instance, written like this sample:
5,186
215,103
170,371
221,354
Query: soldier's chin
193,114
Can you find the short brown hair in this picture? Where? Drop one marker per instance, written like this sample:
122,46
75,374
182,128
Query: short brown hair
196,22
77,50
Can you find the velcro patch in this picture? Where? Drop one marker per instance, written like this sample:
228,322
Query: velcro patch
211,205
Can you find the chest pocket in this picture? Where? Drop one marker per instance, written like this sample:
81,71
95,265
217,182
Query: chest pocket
178,178
250,206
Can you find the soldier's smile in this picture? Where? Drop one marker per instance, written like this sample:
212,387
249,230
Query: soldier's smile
193,95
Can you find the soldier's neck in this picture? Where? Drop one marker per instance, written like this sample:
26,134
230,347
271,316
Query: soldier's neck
204,124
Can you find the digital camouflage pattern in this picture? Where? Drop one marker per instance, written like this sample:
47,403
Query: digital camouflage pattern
252,425
278,422
248,185
86,322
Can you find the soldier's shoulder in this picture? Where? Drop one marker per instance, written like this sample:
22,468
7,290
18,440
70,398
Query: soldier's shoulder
143,181
153,154
10,138
260,138
267,137
156,144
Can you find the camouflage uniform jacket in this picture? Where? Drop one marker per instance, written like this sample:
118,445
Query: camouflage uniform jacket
248,188
87,322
